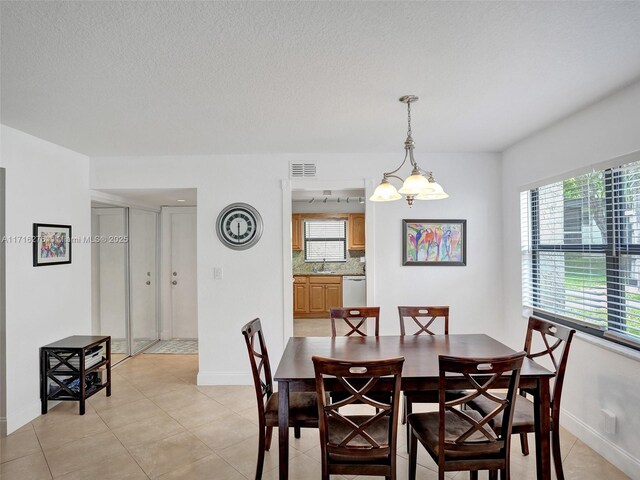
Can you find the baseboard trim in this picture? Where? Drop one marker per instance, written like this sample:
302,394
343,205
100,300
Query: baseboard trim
622,459
216,378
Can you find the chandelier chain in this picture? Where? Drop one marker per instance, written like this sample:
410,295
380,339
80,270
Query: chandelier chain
408,119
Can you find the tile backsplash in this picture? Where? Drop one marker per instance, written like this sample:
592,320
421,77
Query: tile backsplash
352,266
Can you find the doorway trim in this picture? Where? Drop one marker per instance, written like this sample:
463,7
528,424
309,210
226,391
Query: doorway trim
288,185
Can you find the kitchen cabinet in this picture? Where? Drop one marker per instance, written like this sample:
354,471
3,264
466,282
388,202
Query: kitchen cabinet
296,231
314,295
356,231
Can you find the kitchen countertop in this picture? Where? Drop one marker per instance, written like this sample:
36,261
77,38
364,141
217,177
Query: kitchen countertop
327,274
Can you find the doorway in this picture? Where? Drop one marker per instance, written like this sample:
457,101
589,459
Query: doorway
327,256
179,257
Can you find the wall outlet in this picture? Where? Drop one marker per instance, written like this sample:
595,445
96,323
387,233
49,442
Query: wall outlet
609,421
217,273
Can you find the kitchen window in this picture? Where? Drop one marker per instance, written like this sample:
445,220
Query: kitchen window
581,252
325,240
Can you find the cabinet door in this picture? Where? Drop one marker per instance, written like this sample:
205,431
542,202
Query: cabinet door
300,298
316,299
296,231
333,296
356,231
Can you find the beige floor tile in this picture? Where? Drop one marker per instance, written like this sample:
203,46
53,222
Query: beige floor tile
151,429
168,454
61,413
75,427
179,398
583,464
207,468
30,467
119,467
225,431
83,453
244,455
19,444
122,415
153,387
122,392
199,413
234,397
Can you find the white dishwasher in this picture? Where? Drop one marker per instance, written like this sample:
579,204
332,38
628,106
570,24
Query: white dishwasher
354,291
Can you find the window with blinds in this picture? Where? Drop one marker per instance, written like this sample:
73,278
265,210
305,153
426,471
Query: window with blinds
581,252
325,240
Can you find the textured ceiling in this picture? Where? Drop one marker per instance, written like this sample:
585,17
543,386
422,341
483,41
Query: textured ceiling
155,78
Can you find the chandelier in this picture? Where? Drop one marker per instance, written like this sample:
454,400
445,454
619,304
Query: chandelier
420,185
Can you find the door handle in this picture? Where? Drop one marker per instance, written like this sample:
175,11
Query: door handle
175,282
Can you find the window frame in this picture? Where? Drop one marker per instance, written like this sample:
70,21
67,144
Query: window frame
614,213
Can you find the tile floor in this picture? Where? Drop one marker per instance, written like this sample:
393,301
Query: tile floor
159,425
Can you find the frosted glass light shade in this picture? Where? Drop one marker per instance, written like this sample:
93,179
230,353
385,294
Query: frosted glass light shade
414,184
385,192
434,192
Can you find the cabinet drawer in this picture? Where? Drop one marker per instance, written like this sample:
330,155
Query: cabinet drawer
297,279
324,280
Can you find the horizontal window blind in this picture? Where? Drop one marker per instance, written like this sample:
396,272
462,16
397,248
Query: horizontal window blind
580,244
325,240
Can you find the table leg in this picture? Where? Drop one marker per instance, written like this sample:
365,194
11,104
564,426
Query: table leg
543,430
283,428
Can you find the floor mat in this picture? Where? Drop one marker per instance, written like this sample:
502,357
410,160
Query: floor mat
181,347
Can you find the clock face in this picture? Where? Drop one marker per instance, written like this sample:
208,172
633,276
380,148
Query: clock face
239,226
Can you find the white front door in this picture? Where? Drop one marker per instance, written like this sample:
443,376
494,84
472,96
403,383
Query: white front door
183,273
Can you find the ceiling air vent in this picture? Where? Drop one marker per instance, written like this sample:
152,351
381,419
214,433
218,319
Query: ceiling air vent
303,170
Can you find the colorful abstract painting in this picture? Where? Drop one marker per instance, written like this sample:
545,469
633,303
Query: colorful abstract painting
434,242
51,244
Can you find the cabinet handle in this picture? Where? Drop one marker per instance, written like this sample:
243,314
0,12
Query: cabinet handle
175,282
148,282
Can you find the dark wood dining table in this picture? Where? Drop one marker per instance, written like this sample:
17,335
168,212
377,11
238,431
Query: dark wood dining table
420,372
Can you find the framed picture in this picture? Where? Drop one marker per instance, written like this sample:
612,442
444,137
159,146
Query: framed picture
51,244
434,242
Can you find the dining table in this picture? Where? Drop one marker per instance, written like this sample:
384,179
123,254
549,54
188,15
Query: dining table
295,373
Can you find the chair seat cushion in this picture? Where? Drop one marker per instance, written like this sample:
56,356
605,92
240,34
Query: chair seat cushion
426,428
303,408
338,431
523,414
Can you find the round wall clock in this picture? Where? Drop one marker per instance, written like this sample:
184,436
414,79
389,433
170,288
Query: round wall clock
239,226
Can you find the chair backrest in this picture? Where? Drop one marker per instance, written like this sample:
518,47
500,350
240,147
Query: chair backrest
356,319
423,318
556,340
260,366
358,435
473,433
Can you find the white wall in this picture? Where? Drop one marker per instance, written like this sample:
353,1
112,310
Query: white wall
48,184
597,377
253,279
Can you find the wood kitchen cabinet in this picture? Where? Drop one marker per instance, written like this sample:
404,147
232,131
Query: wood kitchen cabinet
356,231
314,295
296,231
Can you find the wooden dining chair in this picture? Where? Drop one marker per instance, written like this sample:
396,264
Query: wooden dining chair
556,341
459,439
427,320
356,319
358,444
303,408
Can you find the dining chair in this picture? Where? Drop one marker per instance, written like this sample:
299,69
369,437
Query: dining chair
555,341
356,319
428,320
459,439
303,408
364,443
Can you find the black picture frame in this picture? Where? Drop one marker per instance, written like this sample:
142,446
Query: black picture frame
434,242
51,244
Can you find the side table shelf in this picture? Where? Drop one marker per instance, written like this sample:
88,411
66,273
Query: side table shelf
74,369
